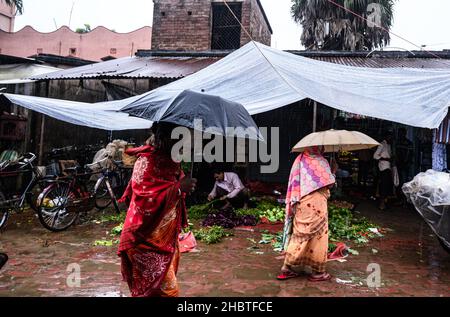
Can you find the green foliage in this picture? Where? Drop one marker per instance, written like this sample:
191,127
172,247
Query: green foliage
17,3
85,29
211,235
329,27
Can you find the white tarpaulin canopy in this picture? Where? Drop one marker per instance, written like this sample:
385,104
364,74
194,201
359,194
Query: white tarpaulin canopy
263,78
101,115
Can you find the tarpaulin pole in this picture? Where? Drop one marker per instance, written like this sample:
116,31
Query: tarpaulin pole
315,117
41,140
41,137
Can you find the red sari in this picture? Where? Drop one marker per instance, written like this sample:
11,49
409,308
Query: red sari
149,240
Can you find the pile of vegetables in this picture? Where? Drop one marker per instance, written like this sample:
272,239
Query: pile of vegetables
265,210
227,218
275,214
343,226
210,235
201,211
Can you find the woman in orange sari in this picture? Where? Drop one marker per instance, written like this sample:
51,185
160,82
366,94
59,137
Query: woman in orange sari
306,225
149,240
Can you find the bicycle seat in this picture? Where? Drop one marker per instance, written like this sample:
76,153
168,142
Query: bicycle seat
49,177
72,170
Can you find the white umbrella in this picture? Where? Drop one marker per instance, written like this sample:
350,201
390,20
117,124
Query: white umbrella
336,140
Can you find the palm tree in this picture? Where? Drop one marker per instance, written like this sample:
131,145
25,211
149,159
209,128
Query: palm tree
328,27
17,3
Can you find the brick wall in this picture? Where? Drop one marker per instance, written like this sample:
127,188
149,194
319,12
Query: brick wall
186,24
175,29
94,45
259,30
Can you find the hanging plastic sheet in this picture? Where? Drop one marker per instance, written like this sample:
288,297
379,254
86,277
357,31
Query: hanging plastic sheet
429,192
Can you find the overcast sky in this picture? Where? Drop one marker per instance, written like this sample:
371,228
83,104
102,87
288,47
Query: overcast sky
421,22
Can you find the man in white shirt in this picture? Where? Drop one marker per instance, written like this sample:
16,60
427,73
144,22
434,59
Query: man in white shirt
383,155
229,188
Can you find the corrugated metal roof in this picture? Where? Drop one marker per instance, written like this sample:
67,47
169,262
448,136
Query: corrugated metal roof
136,67
376,62
154,64
9,59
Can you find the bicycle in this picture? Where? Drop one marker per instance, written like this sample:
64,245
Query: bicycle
118,177
61,203
13,198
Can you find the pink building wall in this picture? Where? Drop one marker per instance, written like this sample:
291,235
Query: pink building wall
6,17
100,42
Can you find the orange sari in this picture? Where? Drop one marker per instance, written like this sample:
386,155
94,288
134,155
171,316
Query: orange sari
308,244
305,236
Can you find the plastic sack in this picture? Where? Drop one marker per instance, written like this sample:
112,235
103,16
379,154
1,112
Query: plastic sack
429,192
187,242
395,177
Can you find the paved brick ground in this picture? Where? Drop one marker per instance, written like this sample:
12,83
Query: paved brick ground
411,260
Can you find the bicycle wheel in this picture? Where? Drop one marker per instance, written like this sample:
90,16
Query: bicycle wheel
36,189
102,197
4,212
57,209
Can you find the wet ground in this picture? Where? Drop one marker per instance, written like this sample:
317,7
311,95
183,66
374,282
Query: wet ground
411,262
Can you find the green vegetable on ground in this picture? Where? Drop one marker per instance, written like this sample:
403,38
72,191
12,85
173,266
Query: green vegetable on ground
113,217
106,243
117,230
211,235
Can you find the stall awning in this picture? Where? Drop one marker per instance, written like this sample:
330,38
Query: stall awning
263,79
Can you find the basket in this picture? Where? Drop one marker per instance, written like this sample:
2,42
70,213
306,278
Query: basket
128,160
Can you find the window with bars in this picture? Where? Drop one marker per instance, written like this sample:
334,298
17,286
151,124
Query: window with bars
226,31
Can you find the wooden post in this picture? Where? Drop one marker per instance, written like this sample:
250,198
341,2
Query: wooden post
41,140
315,117
41,137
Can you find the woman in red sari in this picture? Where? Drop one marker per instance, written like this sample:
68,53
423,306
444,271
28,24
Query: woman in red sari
149,240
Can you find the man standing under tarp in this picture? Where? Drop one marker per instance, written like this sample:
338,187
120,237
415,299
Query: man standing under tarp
384,157
403,160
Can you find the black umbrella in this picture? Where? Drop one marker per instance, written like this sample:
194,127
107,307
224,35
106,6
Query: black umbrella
217,115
